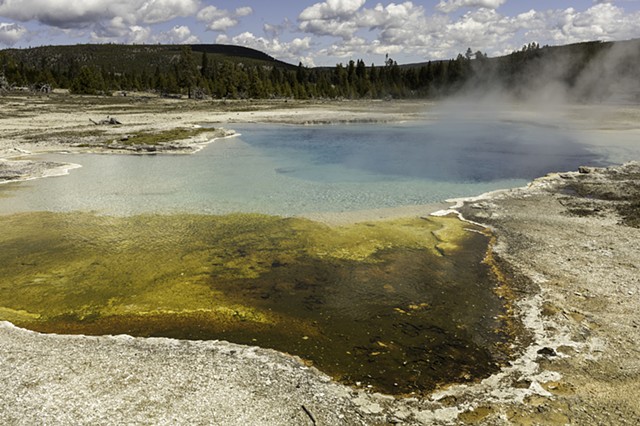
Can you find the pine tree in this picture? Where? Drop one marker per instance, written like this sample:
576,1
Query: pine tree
186,70
204,67
88,82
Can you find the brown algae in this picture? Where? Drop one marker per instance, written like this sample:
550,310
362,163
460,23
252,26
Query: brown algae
402,305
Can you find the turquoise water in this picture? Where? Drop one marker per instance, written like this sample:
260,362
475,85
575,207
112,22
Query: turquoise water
291,170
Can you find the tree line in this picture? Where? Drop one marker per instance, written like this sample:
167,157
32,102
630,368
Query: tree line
197,74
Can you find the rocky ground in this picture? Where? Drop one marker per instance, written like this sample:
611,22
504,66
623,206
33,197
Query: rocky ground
569,245
11,171
574,238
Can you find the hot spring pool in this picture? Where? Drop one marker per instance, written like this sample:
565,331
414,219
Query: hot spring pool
205,246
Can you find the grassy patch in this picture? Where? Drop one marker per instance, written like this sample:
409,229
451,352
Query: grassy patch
165,136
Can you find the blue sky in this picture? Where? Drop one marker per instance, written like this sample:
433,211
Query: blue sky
323,32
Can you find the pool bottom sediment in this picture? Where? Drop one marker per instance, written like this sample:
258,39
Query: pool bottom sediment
402,305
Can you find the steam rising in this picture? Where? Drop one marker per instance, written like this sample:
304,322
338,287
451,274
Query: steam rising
591,72
531,113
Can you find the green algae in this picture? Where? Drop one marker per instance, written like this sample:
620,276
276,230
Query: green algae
380,303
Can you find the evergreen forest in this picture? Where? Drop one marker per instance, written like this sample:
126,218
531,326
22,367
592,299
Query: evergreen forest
233,72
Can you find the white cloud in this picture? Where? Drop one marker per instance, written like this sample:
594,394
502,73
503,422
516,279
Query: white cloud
338,28
331,9
11,33
221,19
138,34
117,29
275,30
401,26
348,49
603,21
343,29
398,26
296,50
114,29
393,15
211,13
155,11
104,20
407,29
74,14
483,28
332,17
179,34
449,6
222,24
56,13
244,11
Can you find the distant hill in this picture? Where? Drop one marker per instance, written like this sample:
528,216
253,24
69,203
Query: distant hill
238,53
127,58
